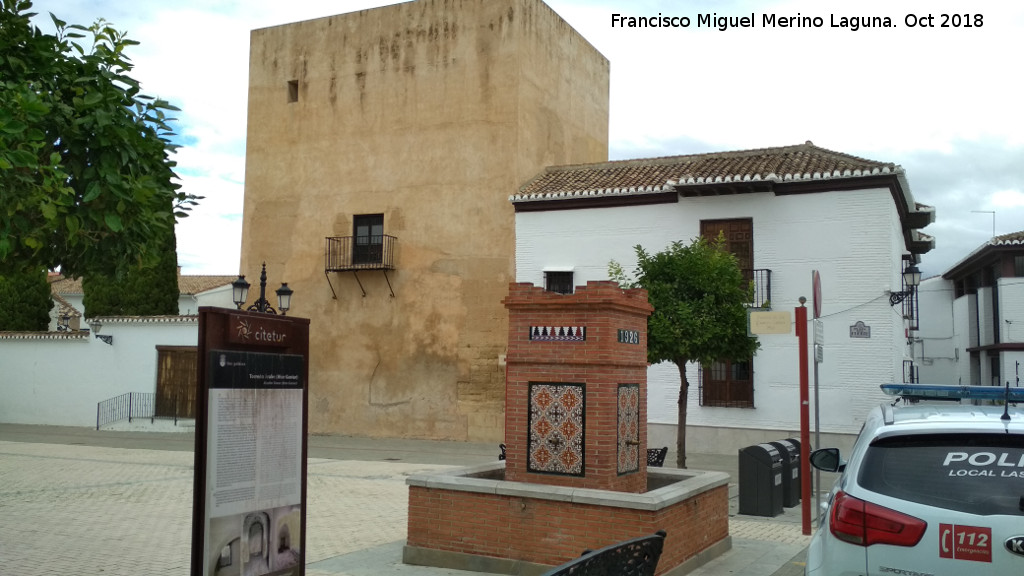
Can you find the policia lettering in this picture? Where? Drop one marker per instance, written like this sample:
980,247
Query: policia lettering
997,464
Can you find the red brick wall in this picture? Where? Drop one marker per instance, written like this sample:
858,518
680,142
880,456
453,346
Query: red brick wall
600,362
552,533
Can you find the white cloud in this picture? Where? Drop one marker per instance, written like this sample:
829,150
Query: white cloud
1008,199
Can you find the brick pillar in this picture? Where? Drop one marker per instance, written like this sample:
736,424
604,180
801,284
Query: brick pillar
576,387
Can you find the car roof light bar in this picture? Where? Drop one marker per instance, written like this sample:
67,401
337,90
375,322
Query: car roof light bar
951,392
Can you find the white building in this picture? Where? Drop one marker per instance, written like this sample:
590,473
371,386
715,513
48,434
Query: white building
972,322
786,212
87,371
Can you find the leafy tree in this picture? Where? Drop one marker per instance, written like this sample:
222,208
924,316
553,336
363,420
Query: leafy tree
139,292
699,296
86,180
25,301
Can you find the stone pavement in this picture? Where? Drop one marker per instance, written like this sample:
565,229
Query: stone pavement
78,501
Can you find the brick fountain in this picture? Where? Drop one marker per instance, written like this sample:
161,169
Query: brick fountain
576,474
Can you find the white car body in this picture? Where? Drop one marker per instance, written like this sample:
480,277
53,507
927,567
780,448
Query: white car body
952,473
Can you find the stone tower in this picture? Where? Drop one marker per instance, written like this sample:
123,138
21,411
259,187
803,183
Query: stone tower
400,133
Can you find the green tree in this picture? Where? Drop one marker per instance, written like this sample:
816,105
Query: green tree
86,179
699,297
141,291
25,301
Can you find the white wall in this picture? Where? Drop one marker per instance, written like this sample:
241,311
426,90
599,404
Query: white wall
1011,310
986,336
852,238
219,297
59,378
935,350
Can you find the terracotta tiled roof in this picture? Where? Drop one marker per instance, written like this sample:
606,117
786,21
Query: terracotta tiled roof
62,285
1012,242
1009,239
186,284
197,284
64,308
803,162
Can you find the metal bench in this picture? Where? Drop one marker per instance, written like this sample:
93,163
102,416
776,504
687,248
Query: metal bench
502,455
656,456
636,557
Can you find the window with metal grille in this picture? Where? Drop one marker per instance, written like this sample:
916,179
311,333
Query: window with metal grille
560,282
724,383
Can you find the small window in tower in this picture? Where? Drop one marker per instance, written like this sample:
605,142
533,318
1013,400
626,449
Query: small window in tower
293,90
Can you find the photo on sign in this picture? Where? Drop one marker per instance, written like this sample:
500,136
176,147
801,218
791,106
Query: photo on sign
260,543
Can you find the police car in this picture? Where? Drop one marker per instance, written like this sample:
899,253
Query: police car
930,488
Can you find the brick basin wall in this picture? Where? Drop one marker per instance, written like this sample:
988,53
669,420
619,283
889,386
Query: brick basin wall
551,531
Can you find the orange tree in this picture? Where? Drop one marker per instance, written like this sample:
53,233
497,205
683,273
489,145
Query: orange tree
699,297
86,178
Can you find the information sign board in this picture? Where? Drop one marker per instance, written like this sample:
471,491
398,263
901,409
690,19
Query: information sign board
249,497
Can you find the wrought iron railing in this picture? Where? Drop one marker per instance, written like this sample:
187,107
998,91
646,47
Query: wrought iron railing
762,279
135,406
344,253
129,406
910,372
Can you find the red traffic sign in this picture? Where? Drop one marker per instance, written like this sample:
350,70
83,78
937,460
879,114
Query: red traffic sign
816,282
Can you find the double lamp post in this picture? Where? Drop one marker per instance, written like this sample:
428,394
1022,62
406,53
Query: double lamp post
240,294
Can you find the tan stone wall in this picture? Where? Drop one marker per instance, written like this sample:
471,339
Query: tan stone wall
431,112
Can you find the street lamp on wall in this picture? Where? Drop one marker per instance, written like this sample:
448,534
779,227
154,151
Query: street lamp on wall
240,293
911,279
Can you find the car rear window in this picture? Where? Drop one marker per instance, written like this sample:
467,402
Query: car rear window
977,473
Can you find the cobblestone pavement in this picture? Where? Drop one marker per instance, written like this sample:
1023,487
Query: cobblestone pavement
89,510
78,509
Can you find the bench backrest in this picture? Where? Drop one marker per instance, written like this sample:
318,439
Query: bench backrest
636,557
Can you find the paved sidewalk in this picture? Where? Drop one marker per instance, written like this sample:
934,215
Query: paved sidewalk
78,501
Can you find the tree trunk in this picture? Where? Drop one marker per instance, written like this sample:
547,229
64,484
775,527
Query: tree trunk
681,429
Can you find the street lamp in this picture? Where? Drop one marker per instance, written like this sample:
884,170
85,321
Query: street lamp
911,278
240,293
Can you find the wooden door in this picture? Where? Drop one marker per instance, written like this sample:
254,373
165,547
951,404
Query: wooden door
176,381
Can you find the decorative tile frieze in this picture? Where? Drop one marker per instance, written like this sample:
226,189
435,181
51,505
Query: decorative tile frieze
556,426
558,333
629,428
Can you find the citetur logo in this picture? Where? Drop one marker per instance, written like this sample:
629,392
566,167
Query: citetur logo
1015,544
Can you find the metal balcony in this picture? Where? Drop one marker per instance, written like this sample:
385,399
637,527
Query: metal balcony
358,253
762,279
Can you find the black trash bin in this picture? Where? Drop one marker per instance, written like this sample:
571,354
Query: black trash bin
790,449
760,480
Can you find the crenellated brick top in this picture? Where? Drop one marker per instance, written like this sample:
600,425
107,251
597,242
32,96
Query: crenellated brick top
596,293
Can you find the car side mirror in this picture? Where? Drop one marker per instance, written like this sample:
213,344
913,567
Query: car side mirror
828,460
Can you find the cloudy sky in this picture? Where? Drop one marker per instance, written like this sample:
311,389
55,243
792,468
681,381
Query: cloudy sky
943,102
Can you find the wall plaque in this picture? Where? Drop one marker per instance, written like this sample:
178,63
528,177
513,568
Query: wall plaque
860,330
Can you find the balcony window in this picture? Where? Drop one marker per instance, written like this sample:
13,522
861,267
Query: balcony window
368,245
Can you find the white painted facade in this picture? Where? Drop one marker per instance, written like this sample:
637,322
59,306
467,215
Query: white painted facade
58,378
976,338
852,237
936,342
